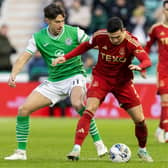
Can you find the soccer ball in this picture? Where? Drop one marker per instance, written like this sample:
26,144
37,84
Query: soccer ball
120,153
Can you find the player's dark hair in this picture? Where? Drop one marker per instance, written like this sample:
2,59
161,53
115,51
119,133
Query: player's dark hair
52,11
165,2
114,24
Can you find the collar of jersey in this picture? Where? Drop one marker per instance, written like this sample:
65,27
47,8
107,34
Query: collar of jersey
55,37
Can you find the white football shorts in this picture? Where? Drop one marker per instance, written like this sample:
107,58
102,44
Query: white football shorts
57,91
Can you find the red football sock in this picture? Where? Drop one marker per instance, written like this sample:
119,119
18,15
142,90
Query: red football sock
164,116
83,127
141,133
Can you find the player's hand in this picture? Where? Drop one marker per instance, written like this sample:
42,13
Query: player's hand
137,68
134,67
58,60
11,81
143,74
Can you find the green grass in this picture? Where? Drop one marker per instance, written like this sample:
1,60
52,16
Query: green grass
51,139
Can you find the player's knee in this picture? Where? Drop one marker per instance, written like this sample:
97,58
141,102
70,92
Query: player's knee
77,105
140,123
23,111
92,107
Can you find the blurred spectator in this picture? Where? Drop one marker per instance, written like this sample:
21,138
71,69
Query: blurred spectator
6,49
37,68
139,24
98,20
104,4
68,3
151,12
122,9
88,63
134,4
79,15
1,1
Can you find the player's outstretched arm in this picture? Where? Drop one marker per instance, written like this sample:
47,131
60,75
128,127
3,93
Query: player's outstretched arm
18,66
83,47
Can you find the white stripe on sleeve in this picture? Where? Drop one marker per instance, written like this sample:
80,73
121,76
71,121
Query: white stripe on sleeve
31,47
82,36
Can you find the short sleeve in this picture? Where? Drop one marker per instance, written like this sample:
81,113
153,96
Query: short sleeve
31,47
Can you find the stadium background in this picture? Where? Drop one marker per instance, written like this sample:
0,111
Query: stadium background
24,17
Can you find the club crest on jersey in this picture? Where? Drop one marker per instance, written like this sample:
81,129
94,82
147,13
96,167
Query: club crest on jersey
122,51
162,33
104,47
59,53
68,41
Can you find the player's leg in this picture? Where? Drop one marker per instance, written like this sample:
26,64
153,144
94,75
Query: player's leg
95,95
33,102
162,131
83,127
141,132
129,99
77,99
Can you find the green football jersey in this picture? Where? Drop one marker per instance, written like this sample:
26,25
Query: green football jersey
52,47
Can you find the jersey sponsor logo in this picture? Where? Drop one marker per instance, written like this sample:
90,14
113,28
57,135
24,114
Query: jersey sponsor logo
59,53
164,41
68,41
113,58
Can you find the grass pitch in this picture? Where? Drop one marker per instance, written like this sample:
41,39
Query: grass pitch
51,139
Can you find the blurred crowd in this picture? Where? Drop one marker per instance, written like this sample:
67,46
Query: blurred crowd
90,15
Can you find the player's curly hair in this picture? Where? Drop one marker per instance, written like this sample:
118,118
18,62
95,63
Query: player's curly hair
52,11
114,24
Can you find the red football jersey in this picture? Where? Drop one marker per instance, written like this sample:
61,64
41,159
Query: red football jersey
113,60
159,33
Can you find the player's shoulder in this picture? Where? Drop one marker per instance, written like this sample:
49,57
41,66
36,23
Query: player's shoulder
70,28
100,33
73,30
42,31
155,26
132,39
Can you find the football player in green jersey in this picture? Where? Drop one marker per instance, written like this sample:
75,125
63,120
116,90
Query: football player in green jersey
64,80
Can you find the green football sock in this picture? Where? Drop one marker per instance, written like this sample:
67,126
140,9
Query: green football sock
22,131
93,128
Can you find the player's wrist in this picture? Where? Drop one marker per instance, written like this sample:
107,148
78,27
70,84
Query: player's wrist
64,57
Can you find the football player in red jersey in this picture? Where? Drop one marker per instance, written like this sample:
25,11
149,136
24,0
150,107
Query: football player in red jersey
159,33
113,73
